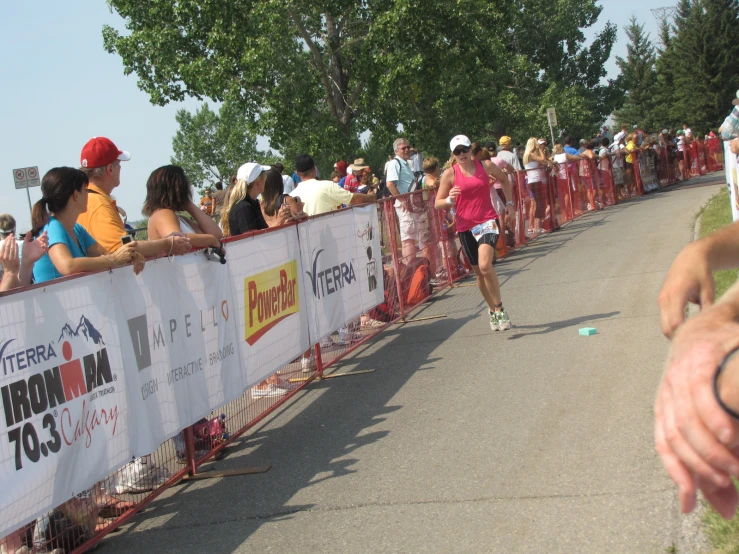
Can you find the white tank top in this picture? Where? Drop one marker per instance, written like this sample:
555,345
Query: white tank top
533,173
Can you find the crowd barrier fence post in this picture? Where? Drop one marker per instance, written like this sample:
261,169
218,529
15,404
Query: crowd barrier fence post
393,236
440,218
190,450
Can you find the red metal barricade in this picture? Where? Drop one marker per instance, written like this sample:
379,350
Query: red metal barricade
690,162
606,181
714,154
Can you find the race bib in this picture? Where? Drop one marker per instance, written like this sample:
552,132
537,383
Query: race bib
489,227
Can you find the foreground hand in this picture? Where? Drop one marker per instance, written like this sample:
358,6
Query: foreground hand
181,245
138,263
454,193
688,280
688,419
34,250
9,259
124,254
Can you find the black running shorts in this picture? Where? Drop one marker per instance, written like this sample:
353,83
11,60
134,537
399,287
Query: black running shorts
470,246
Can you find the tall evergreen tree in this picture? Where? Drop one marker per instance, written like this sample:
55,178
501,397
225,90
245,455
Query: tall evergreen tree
704,59
664,92
639,78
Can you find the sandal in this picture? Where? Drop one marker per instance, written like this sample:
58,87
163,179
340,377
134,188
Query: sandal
116,509
372,323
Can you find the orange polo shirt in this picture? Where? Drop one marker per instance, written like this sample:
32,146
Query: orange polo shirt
101,219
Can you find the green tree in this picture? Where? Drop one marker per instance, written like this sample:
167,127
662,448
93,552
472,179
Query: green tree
210,147
664,93
696,69
313,76
639,78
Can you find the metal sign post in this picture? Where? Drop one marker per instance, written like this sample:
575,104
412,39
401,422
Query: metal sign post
24,178
552,118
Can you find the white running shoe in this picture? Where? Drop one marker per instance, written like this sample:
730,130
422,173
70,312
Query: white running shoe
308,364
270,391
494,323
504,322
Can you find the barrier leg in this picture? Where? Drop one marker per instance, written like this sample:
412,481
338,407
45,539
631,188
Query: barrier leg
390,215
322,376
192,468
190,451
445,249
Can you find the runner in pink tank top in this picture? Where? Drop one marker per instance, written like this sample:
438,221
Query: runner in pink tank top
474,205
466,185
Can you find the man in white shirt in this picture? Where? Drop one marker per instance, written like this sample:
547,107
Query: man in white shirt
416,160
688,132
413,222
322,196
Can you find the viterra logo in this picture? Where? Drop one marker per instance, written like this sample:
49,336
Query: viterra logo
328,281
270,297
54,387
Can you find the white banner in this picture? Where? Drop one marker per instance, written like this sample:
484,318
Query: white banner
732,179
63,389
342,276
178,331
103,368
265,272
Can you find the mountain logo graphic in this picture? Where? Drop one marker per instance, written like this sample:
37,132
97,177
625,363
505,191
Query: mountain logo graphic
86,328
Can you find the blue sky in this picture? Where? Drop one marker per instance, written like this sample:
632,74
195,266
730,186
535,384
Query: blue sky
59,88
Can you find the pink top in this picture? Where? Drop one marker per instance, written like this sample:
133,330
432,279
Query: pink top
502,164
474,205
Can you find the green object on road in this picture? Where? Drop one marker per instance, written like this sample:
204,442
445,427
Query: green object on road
587,331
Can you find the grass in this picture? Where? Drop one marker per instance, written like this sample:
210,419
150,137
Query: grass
715,215
723,535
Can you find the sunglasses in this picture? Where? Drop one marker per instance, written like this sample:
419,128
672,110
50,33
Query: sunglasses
404,148
461,150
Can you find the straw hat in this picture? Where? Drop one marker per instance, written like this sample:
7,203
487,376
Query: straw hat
358,165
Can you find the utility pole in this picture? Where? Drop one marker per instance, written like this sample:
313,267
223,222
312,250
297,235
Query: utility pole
664,14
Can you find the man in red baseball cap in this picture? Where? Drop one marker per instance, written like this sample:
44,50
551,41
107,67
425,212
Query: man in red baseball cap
101,161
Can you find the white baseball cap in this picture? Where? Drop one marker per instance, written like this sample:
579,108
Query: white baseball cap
251,171
459,140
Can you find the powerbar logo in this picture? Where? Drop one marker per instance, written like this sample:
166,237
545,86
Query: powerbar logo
330,280
270,297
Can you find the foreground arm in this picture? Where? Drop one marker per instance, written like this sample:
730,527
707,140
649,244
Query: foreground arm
10,263
175,244
97,258
446,190
360,198
690,278
694,437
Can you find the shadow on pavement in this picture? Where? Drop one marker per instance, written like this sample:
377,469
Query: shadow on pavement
310,440
545,328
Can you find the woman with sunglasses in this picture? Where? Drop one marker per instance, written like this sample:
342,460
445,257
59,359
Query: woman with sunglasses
466,185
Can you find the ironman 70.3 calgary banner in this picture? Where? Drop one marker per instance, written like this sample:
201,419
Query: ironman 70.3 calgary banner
62,387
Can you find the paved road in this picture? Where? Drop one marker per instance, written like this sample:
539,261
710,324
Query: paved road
536,440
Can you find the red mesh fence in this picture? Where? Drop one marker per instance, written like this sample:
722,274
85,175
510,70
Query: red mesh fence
714,151
421,254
